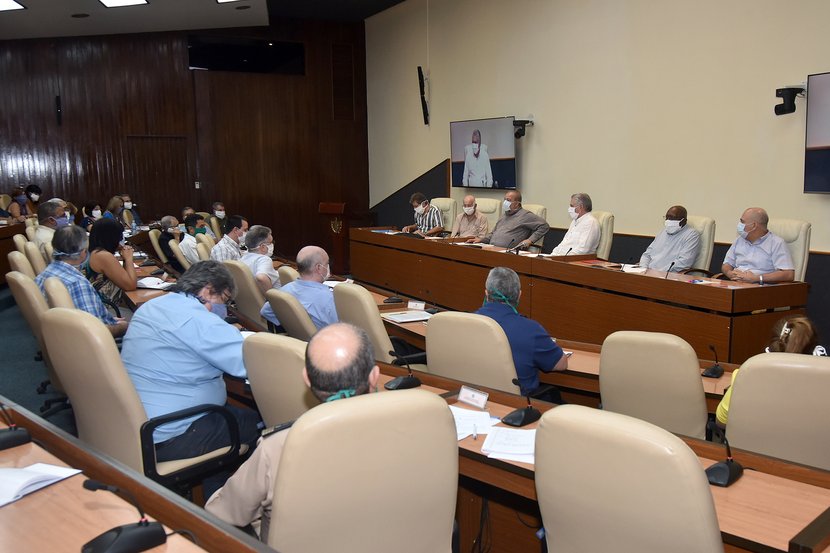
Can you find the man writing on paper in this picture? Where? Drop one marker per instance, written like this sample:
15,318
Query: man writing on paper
471,223
584,232
758,255
518,228
477,170
675,247
428,221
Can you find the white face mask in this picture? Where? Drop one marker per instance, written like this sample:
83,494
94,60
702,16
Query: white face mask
219,214
35,197
742,229
270,250
242,237
96,213
469,210
572,213
476,148
328,272
672,227
506,205
420,209
128,205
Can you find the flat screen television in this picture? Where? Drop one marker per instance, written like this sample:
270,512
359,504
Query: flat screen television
483,153
817,143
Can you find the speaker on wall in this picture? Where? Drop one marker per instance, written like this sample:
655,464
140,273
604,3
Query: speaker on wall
424,106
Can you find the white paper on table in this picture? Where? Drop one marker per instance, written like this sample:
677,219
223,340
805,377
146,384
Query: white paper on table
18,482
246,333
153,283
530,459
469,422
332,283
636,269
509,441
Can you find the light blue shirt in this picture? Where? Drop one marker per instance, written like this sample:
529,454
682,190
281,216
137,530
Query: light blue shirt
767,254
679,248
316,298
176,352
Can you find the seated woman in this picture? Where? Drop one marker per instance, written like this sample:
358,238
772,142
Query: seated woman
24,203
793,335
110,277
90,212
114,208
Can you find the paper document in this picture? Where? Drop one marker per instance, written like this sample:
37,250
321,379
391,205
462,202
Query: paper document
469,422
634,269
17,482
154,283
510,444
406,316
332,283
386,231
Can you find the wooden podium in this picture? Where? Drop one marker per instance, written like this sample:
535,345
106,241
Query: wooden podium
338,231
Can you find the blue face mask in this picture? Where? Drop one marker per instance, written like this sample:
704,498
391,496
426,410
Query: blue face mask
21,199
61,222
742,229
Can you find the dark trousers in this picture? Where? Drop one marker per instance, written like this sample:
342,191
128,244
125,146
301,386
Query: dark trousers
209,433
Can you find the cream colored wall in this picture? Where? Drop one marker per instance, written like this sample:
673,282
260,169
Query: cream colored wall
642,104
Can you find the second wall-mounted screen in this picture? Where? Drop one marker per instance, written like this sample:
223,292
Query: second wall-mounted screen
483,153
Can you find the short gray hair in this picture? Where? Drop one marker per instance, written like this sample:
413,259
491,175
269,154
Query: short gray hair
212,274
49,209
167,222
584,200
256,235
502,281
69,242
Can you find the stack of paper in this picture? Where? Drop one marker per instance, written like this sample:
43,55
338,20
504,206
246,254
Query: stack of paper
510,444
154,283
15,483
469,422
406,316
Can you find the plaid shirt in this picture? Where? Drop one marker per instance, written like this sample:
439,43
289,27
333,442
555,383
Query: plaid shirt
430,219
83,294
226,250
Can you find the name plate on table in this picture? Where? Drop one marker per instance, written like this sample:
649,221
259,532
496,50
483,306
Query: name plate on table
419,305
473,397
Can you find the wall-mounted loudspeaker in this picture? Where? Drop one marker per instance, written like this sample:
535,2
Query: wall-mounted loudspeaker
424,105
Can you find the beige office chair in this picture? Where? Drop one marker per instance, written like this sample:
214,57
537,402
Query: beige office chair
537,209
207,240
177,251
606,237
154,240
35,257
31,222
654,377
449,210
203,251
249,298
471,348
5,201
641,488
287,274
97,383
20,263
216,226
706,227
779,407
491,209
291,314
797,236
20,242
344,467
48,250
275,369
204,214
56,293
355,305
31,231
127,217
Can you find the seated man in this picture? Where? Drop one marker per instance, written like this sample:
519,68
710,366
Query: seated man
757,255
584,232
51,216
194,224
176,352
428,221
676,247
315,297
517,228
170,231
131,207
471,223
219,211
340,363
477,170
260,244
533,348
70,250
228,247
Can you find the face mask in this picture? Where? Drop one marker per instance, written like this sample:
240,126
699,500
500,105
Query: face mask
476,148
672,227
506,205
420,209
219,214
182,228
328,271
742,229
128,205
34,197
270,251
572,213
21,199
199,230
96,213
242,237
61,222
469,210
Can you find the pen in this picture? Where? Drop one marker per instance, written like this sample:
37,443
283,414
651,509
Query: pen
475,432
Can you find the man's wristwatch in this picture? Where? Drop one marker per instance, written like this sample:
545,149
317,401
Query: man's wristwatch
761,279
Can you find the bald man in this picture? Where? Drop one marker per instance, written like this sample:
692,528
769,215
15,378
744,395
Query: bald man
758,255
470,223
315,297
517,228
676,247
339,364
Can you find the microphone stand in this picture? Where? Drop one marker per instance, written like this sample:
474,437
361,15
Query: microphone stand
523,415
12,436
128,538
725,473
402,382
715,371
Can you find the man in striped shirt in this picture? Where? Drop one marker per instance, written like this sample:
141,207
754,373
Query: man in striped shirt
428,220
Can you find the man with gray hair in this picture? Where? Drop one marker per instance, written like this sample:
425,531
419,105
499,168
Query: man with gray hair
70,250
51,216
517,228
532,347
758,255
313,295
260,243
584,232
339,364
477,170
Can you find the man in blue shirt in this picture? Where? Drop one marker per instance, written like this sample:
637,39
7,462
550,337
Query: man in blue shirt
315,297
758,255
533,348
176,352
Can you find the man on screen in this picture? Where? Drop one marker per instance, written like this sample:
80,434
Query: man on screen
477,171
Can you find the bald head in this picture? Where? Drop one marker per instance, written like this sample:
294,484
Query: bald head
313,263
755,215
677,213
340,361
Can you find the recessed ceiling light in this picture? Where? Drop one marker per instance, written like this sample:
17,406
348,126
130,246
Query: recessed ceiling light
6,5
243,8
121,3
79,15
226,1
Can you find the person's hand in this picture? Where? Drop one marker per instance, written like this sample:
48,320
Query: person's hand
743,276
474,240
127,252
524,244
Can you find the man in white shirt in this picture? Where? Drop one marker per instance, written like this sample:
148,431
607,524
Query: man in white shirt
583,233
227,249
676,247
193,224
260,244
477,171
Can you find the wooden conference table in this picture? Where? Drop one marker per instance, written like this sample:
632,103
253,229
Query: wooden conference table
580,302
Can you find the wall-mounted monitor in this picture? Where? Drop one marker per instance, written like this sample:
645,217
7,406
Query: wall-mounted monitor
483,153
817,143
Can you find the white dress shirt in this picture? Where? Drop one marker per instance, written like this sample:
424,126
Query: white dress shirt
582,237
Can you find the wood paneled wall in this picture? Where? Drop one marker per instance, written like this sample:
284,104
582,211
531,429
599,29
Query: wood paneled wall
135,119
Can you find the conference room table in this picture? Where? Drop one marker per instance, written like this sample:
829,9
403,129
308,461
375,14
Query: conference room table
581,299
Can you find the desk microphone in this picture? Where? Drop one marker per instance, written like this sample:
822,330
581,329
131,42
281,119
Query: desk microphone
670,268
12,436
523,415
393,299
725,473
569,251
129,538
715,371
509,247
402,382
